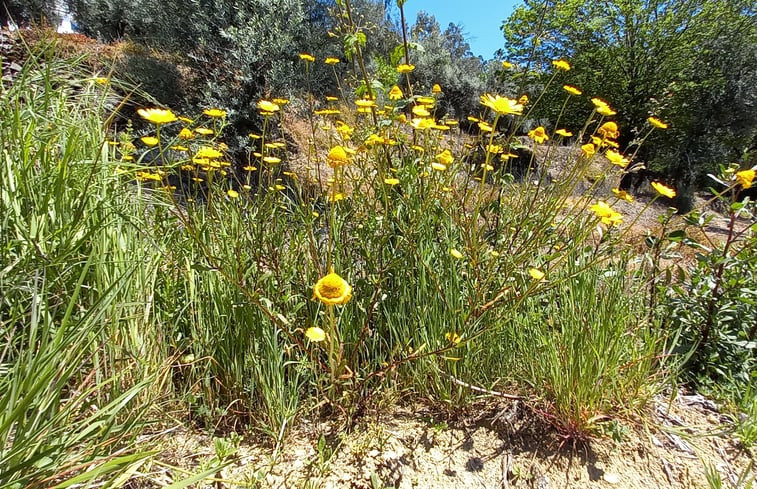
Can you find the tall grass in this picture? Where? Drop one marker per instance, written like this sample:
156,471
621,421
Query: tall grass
72,287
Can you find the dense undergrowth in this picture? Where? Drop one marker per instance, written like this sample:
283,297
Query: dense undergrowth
145,276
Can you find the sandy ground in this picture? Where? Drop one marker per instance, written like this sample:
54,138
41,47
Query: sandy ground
491,445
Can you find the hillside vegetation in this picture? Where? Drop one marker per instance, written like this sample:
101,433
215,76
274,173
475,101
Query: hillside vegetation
323,226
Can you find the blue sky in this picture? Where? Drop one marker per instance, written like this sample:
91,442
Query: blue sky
480,19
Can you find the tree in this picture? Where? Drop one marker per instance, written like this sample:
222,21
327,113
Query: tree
650,57
445,58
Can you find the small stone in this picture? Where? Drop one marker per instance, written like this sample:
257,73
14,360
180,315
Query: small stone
611,478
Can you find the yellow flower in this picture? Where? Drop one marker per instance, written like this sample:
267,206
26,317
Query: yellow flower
157,116
606,213
101,80
436,88
204,131
745,178
280,101
438,166
501,105
430,101
664,190
185,134
608,130
536,274
561,64
523,100
395,93
455,253
572,90
657,123
588,150
315,334
150,140
445,157
494,148
452,337
484,127
507,65
622,194
365,103
331,61
539,135
404,68
272,160
421,111
606,111
332,289
267,107
215,113
422,123
208,152
564,133
391,181
338,157
232,193
307,57
616,158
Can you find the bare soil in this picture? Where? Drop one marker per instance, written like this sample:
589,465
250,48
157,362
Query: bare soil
490,445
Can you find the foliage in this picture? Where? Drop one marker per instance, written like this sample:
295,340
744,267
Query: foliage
444,58
73,386
691,62
715,307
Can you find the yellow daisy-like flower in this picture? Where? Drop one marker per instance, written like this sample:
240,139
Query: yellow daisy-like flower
606,111
609,130
622,194
485,127
445,157
502,105
150,140
455,253
365,103
157,116
536,274
745,178
606,213
338,157
572,90
271,160
280,101
564,133
588,150
421,111
215,113
657,123
561,64
422,123
405,68
315,334
307,57
616,158
391,181
232,193
208,152
332,289
395,93
539,135
664,190
494,148
507,65
438,166
267,107
185,134
101,80
436,88
331,61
